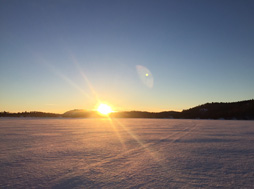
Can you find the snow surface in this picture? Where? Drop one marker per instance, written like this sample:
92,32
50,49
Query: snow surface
126,153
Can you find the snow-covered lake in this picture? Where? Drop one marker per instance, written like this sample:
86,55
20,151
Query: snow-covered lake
126,153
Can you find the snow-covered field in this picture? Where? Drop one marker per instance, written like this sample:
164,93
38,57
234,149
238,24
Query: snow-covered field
126,153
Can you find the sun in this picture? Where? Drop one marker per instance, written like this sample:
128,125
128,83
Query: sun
104,109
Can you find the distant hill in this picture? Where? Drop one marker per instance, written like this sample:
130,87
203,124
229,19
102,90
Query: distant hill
29,114
76,113
235,110
79,113
140,114
242,110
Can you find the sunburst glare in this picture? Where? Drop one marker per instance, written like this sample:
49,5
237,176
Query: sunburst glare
104,109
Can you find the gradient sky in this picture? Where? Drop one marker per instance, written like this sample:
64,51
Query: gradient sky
68,54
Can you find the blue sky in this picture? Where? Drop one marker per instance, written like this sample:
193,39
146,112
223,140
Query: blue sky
61,55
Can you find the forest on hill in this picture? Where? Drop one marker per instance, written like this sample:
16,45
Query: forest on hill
242,110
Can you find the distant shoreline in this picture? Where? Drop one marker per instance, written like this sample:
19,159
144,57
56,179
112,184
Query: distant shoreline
63,118
242,110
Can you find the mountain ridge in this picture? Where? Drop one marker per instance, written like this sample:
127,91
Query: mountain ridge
241,110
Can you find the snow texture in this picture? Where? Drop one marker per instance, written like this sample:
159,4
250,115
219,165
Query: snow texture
126,153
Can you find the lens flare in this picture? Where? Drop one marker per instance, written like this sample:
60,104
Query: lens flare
145,76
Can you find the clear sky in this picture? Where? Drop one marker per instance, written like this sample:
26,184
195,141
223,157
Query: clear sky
132,54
